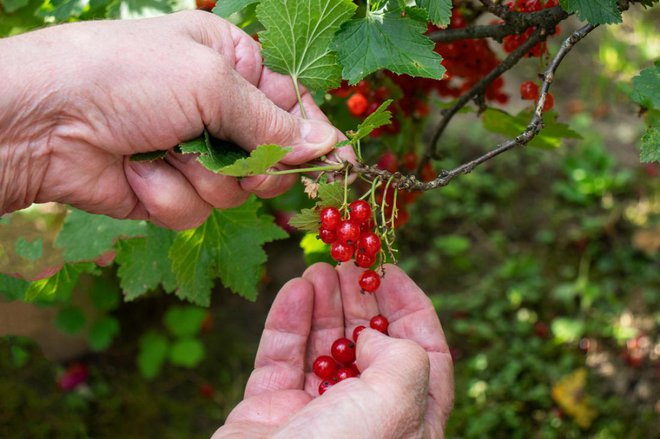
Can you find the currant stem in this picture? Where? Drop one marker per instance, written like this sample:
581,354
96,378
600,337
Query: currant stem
337,167
296,87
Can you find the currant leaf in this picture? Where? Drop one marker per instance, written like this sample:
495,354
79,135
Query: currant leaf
60,285
307,220
439,11
184,321
214,154
228,245
376,119
12,288
297,39
385,39
501,122
330,195
102,332
646,88
650,146
152,355
225,8
594,11
29,250
260,160
143,263
187,352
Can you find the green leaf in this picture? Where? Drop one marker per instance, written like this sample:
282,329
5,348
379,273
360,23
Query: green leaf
214,154
225,8
228,244
376,119
148,156
260,160
594,11
297,39
310,243
12,288
439,10
65,9
386,40
104,294
13,5
184,321
60,285
307,220
70,320
19,356
551,135
153,351
330,195
86,236
650,146
103,332
646,88
144,264
29,250
187,352
567,330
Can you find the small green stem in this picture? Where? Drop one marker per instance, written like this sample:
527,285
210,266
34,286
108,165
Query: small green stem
337,167
303,113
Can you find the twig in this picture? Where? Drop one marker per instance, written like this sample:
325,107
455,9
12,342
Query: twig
533,128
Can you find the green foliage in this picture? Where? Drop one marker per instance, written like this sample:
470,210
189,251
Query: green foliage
70,320
646,87
102,332
225,8
297,39
29,250
329,195
12,288
439,11
186,352
152,354
651,146
59,286
501,122
306,220
11,6
375,120
144,263
184,321
385,39
214,154
594,11
86,236
260,160
104,294
228,244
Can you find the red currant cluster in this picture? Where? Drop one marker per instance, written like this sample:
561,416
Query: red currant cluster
530,91
341,365
512,42
353,237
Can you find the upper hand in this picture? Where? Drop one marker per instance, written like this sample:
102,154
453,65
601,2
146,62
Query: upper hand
406,386
95,93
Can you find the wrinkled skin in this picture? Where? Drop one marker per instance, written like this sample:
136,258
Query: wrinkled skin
406,386
77,100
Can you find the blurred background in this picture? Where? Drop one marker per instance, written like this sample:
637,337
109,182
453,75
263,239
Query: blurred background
543,265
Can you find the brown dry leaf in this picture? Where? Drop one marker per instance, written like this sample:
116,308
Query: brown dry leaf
311,187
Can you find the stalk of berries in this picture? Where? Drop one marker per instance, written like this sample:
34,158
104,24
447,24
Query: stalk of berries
512,42
340,364
530,91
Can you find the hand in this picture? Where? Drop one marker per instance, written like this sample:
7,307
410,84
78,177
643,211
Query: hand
406,386
77,100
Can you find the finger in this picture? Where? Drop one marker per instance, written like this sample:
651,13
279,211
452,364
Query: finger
165,195
359,307
220,191
280,359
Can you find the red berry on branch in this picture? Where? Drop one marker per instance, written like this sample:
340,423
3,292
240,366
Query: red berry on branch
369,281
356,332
369,243
325,385
330,218
348,232
379,323
326,235
529,91
387,162
206,391
409,161
549,102
325,367
343,350
341,251
360,211
345,373
357,104
364,260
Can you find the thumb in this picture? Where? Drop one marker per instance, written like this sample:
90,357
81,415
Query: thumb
250,119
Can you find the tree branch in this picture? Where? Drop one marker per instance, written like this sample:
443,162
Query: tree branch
533,128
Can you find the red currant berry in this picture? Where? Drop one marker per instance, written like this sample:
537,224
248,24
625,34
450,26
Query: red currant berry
343,350
205,5
364,260
379,323
369,242
325,367
356,332
341,251
360,211
330,218
529,91
549,102
369,281
355,369
326,235
409,161
345,373
348,232
387,162
325,385
357,104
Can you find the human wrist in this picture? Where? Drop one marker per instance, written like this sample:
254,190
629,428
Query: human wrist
28,117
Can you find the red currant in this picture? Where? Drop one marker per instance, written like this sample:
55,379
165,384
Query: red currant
341,251
357,104
348,232
326,235
356,332
325,367
364,260
345,373
330,218
409,161
387,162
529,91
355,369
379,323
343,350
369,242
549,102
360,211
369,281
325,385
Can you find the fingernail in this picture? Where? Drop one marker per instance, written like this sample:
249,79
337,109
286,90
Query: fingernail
143,169
318,133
